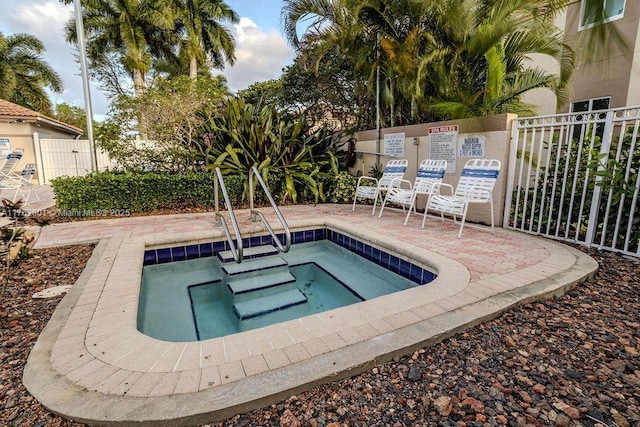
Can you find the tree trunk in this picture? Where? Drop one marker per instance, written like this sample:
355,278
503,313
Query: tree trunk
138,82
139,88
193,67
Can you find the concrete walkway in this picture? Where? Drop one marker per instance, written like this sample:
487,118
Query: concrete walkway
92,365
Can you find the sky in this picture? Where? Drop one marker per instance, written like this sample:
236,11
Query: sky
261,50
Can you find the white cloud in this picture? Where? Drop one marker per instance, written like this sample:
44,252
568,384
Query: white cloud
259,56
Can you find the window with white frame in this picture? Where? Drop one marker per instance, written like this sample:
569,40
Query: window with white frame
587,106
594,104
593,12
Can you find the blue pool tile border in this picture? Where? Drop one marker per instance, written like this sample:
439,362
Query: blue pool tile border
397,265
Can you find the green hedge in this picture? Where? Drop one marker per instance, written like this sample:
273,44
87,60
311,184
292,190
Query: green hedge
107,192
110,193
133,192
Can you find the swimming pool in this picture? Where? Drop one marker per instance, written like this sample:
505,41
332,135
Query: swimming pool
186,296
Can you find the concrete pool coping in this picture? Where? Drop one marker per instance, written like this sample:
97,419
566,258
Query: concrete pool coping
91,364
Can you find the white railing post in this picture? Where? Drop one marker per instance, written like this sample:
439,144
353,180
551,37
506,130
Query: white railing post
508,199
39,163
597,189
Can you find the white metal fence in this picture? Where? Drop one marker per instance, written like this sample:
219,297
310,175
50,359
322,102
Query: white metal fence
66,157
574,177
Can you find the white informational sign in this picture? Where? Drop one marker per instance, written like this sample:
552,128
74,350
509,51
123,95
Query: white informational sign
443,145
5,147
471,146
394,144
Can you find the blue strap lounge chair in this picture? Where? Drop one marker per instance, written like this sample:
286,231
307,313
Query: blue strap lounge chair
9,180
429,173
372,188
475,186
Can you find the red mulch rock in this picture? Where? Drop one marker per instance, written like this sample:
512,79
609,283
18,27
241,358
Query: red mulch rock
566,361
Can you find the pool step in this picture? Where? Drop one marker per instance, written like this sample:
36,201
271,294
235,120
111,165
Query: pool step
255,265
249,253
259,306
256,283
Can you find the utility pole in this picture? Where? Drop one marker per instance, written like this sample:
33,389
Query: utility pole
85,83
377,99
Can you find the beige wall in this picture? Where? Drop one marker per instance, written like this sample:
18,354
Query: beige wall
495,129
613,72
21,136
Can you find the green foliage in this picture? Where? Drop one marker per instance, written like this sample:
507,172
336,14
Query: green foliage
343,188
585,168
118,194
170,115
247,135
270,92
435,60
107,193
559,209
619,186
135,30
71,115
24,75
327,92
376,171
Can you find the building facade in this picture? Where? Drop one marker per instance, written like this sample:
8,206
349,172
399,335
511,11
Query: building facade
18,126
607,76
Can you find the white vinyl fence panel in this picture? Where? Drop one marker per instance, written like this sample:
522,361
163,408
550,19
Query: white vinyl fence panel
574,177
67,157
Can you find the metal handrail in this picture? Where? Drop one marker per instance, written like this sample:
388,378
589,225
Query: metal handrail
254,213
236,249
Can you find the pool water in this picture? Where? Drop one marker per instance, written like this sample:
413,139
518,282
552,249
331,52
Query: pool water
214,316
190,300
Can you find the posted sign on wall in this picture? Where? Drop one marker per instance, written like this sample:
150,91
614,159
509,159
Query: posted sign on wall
472,146
443,145
394,144
5,146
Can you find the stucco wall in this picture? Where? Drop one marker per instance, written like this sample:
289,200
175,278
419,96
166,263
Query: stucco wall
21,136
496,131
613,69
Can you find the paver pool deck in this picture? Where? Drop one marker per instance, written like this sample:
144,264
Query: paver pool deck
92,365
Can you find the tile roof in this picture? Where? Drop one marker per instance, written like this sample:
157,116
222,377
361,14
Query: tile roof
10,110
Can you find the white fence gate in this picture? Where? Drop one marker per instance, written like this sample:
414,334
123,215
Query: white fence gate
574,177
66,157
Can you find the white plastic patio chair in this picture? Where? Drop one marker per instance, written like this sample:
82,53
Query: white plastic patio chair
9,180
429,173
371,188
475,185
26,182
11,161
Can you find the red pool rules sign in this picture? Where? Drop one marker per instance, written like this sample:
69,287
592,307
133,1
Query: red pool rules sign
443,144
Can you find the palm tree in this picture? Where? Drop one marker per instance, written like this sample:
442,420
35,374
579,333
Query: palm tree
459,59
135,29
24,75
204,39
334,30
446,58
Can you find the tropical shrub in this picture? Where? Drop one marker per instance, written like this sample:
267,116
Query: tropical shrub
157,130
245,135
619,187
560,208
342,189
